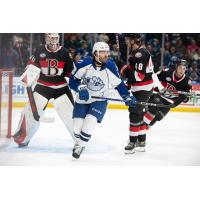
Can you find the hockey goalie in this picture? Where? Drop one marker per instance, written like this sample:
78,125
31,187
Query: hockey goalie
44,78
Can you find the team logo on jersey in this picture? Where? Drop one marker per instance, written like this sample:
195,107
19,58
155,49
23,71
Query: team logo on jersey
42,55
170,94
138,55
168,78
52,67
93,83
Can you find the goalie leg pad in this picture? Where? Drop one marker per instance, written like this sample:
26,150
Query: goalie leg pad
28,125
64,108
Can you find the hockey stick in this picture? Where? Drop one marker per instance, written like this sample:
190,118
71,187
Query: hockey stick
190,94
137,103
117,42
33,104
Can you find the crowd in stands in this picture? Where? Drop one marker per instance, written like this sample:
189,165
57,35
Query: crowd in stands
15,49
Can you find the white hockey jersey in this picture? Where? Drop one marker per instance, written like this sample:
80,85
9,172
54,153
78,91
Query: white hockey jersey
98,80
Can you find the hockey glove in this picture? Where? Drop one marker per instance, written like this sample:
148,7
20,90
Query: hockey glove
130,101
83,93
165,92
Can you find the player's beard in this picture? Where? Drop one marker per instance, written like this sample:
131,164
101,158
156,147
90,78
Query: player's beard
103,59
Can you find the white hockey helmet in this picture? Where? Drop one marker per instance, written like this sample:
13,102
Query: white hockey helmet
100,46
52,40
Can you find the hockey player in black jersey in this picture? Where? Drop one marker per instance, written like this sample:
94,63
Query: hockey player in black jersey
173,80
138,74
45,74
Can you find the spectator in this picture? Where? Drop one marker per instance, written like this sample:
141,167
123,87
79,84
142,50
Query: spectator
114,53
174,52
10,57
193,76
22,52
84,51
103,37
180,46
167,46
173,62
73,42
193,68
196,55
156,46
192,46
167,57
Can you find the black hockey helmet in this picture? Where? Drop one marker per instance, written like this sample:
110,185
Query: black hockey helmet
134,36
182,62
176,61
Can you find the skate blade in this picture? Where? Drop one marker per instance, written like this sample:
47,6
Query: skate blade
140,149
75,159
129,152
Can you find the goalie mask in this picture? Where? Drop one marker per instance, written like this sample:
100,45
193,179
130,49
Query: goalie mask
52,41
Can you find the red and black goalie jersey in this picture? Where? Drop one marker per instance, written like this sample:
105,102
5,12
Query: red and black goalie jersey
55,66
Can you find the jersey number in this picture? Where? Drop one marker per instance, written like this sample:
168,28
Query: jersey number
139,66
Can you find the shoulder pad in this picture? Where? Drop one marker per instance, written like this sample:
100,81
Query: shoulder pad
166,69
82,63
112,67
138,55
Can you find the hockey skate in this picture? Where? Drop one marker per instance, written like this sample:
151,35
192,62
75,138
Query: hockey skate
140,146
77,150
130,148
18,137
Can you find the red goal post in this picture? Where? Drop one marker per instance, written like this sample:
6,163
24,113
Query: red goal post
6,83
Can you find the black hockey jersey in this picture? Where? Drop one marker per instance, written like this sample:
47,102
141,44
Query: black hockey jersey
55,66
139,71
169,80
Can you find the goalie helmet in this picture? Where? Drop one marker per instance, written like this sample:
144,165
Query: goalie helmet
52,41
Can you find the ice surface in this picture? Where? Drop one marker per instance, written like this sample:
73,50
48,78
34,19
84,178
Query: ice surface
173,141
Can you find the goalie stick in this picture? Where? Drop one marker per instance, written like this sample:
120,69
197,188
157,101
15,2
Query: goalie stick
34,108
33,104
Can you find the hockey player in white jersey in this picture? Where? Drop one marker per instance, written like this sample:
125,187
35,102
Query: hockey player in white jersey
45,74
94,76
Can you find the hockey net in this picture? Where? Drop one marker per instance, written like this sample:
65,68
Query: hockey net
6,82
